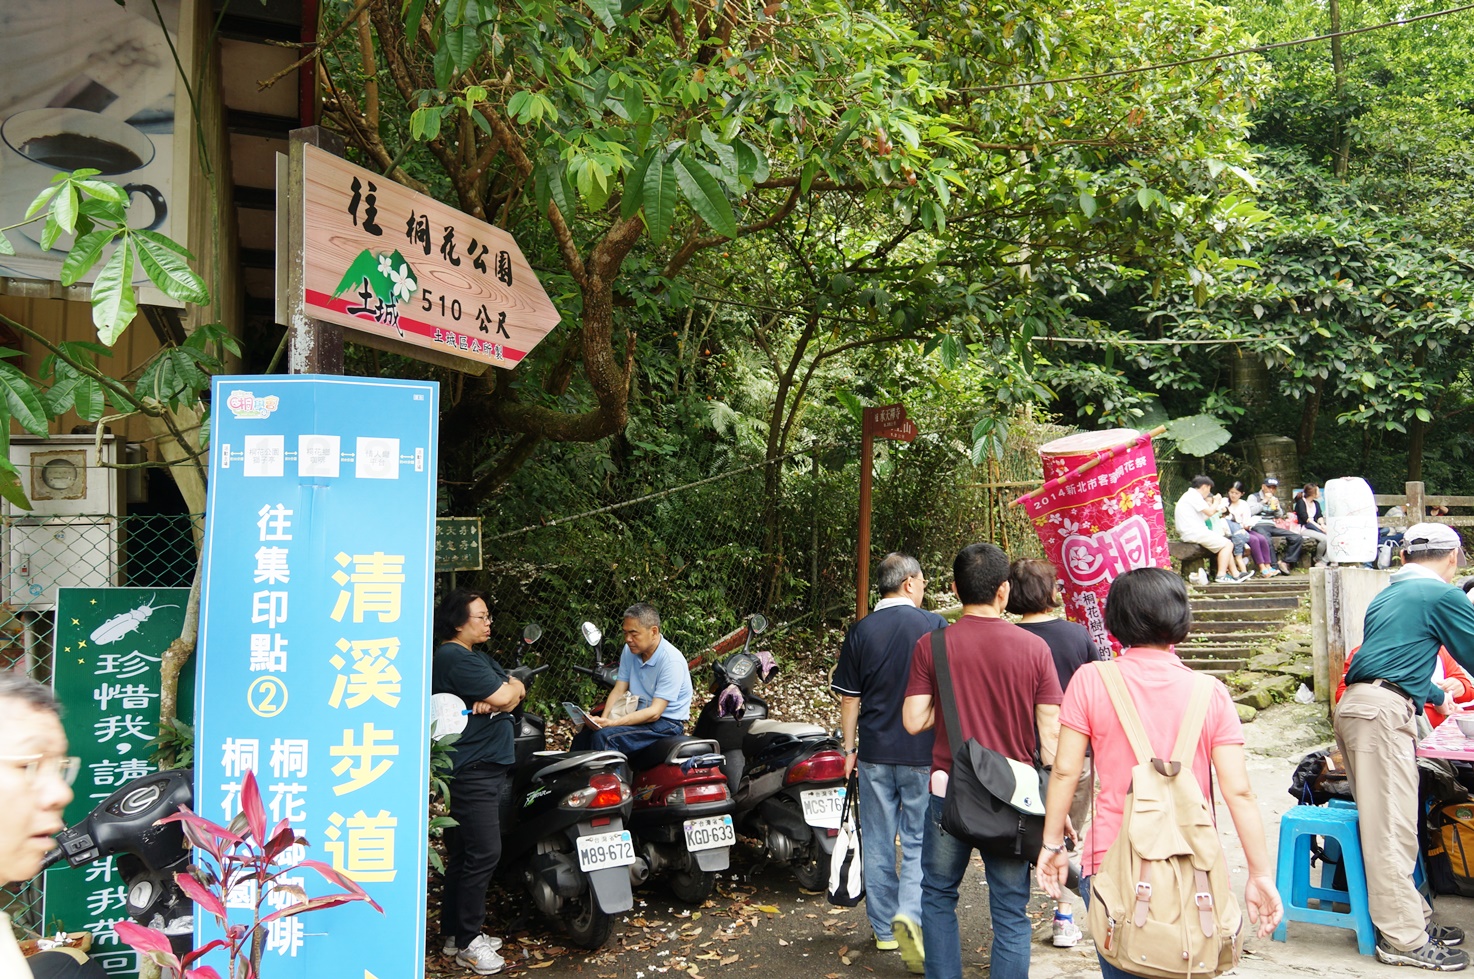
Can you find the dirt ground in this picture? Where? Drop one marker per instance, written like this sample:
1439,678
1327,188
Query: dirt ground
760,921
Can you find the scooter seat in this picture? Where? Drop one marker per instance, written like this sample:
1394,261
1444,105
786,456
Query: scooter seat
578,759
670,750
797,729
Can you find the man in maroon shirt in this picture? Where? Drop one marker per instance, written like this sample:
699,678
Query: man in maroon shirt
1008,696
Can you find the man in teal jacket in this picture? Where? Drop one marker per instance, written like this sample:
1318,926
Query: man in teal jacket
1387,685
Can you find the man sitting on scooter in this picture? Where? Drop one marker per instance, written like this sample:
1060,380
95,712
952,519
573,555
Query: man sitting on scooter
655,673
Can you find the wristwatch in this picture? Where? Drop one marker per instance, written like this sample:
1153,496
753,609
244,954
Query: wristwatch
852,751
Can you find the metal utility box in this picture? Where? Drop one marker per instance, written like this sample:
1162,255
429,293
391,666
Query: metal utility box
70,538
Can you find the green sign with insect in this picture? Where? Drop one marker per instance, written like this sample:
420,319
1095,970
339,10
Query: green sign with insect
107,647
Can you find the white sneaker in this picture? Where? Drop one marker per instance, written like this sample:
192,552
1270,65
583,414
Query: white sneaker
448,949
480,957
1066,934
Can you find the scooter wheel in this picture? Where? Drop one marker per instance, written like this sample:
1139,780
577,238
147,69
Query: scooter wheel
693,887
812,869
588,924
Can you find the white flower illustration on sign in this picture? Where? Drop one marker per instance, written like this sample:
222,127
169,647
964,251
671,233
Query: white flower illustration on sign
404,283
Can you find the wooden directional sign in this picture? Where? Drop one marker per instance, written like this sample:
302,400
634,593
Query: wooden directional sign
387,262
890,422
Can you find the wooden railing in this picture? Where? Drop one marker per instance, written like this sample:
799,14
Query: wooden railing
1414,503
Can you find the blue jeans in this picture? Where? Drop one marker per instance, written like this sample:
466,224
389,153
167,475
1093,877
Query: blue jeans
892,798
628,738
1107,970
944,860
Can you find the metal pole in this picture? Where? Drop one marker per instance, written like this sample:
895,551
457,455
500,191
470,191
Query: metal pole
814,597
867,458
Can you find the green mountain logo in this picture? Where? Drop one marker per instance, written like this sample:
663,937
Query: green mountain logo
391,278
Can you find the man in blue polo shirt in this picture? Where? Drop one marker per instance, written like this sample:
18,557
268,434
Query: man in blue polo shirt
656,674
1387,685
874,665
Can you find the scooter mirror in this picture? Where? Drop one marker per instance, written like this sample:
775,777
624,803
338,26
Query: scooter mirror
758,623
591,634
531,633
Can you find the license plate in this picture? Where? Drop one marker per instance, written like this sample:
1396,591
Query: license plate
605,850
709,833
823,807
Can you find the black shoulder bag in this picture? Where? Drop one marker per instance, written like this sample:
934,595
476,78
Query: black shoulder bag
994,802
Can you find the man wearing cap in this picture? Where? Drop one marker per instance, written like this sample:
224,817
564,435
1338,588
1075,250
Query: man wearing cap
1387,685
1265,505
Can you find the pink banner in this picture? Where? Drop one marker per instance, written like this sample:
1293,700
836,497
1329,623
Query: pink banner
1100,523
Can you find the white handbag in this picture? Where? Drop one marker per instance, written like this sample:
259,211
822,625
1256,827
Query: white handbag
847,864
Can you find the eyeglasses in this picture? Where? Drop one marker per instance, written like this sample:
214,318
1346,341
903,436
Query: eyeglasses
484,618
63,767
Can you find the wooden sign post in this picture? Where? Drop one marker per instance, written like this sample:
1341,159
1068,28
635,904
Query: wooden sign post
400,271
885,422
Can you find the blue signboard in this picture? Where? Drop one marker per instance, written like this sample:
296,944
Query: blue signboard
314,653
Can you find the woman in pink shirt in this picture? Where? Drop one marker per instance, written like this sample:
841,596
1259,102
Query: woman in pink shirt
1148,612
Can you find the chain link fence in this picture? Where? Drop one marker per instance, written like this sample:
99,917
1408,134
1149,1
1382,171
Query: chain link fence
43,553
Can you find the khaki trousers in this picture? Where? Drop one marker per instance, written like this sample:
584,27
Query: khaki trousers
1377,733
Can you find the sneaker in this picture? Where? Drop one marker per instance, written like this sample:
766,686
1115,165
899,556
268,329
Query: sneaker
1225,579
1246,574
1446,934
1066,932
1439,958
886,944
908,936
448,949
482,959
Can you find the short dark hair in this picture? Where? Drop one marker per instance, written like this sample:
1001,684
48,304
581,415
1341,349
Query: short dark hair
1148,607
454,609
642,613
979,570
1467,584
1310,488
1031,586
1426,557
893,571
15,685
1238,484
1201,481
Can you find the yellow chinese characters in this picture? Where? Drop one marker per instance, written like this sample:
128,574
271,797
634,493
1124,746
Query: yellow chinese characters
372,676
367,760
377,580
368,852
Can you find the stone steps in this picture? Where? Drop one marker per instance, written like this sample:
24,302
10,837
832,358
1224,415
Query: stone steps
1210,612
1238,628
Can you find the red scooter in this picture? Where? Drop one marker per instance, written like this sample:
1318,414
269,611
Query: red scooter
681,820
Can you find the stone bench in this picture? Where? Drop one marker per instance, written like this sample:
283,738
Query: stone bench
1186,555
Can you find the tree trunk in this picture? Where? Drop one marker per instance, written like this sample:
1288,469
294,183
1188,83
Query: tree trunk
1305,438
1342,154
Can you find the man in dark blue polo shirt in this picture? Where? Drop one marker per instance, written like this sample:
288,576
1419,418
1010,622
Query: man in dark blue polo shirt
874,664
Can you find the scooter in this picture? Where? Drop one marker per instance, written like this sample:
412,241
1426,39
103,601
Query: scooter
563,826
787,778
123,825
681,819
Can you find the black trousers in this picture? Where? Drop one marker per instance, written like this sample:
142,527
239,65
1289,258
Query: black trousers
472,849
1296,541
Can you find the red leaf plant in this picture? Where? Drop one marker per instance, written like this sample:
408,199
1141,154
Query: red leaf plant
241,854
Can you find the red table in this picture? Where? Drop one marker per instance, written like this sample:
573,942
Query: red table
1447,741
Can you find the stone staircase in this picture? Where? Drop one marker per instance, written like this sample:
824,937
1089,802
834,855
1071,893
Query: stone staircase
1231,623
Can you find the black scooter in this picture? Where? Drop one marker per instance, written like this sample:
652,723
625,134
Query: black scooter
681,819
563,827
149,856
787,778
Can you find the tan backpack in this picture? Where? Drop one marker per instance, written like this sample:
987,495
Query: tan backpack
1161,901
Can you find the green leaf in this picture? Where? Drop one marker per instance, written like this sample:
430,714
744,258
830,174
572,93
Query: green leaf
660,199
6,248
64,208
85,253
50,232
59,397
10,484
464,45
41,200
167,269
705,196
114,303
634,186
23,400
413,10
103,190
604,10
1087,204
89,401
1198,435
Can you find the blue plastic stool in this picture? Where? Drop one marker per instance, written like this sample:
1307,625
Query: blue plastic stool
1333,852
1298,829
